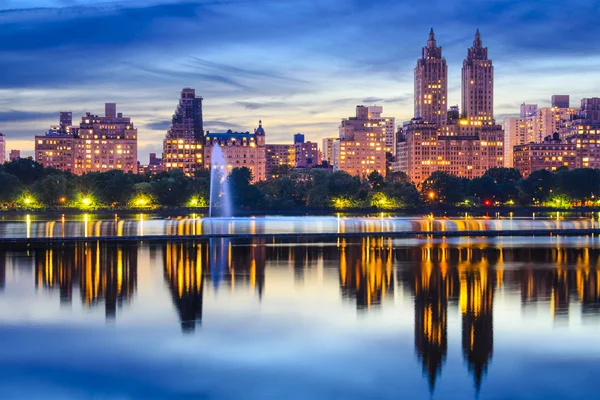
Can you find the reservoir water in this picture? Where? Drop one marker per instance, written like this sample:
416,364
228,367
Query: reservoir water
330,318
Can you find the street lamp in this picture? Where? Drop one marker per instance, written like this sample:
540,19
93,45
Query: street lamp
431,195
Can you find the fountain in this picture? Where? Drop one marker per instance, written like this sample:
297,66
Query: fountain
220,197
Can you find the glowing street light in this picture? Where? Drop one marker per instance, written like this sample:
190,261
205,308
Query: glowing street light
141,202
431,195
86,201
62,199
28,200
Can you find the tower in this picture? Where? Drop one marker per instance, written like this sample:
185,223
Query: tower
478,83
431,84
260,134
182,147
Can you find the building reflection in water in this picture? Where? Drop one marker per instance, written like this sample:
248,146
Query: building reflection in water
440,278
366,271
187,265
100,272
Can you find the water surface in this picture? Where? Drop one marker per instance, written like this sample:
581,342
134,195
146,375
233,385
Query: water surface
372,317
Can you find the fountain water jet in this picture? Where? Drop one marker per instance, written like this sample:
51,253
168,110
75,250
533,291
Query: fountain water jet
219,186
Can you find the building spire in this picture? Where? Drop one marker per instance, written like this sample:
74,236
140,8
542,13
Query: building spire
431,42
477,41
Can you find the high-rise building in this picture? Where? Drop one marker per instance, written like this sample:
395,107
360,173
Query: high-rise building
278,155
183,144
560,101
98,144
66,119
239,150
431,84
528,110
517,131
110,110
466,147
14,155
549,155
306,154
478,83
327,149
2,149
361,148
590,109
549,120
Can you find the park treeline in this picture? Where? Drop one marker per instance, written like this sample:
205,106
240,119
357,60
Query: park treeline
25,184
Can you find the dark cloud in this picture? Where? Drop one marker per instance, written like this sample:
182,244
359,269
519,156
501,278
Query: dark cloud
254,105
158,125
26,116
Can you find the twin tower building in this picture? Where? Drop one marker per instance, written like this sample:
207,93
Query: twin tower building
464,142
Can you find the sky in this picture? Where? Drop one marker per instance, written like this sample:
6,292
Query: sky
299,65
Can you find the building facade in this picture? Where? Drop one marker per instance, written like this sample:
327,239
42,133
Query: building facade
14,155
239,150
278,155
465,147
431,84
549,155
477,83
327,149
306,154
517,131
97,144
575,145
183,146
361,148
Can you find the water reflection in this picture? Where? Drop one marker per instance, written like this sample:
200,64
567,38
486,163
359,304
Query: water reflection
463,278
90,225
99,272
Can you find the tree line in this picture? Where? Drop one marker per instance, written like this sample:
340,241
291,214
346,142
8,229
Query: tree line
25,184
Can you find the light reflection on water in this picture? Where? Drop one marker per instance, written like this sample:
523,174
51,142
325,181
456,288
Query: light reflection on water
89,225
338,318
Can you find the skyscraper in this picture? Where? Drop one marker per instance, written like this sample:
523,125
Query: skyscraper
361,148
431,84
182,147
464,147
98,144
477,83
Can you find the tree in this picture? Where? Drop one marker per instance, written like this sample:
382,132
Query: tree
483,187
506,180
26,170
445,188
171,188
580,184
341,183
405,195
397,176
538,186
12,189
54,189
112,187
243,193
376,180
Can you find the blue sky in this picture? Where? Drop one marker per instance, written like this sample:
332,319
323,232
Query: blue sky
300,66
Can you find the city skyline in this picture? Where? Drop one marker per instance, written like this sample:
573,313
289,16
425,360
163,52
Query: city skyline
244,73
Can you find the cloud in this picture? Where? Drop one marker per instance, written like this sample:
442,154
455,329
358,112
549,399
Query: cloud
287,62
251,105
26,116
158,125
